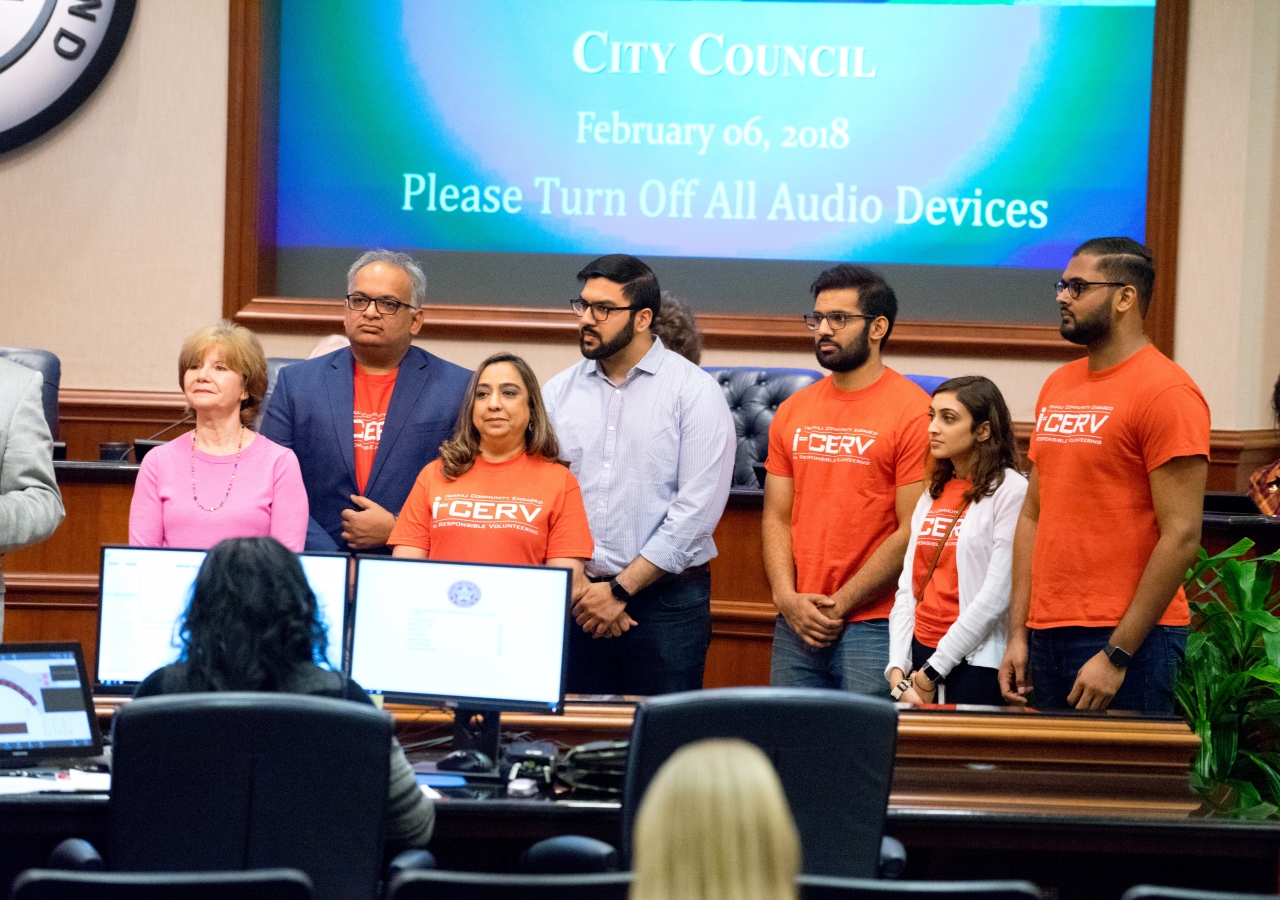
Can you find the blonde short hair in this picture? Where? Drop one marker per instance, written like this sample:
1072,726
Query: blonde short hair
714,825
240,350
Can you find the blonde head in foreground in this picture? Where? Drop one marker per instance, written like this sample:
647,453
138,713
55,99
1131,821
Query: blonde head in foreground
715,825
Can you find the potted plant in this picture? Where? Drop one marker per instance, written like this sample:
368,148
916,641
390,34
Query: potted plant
1229,685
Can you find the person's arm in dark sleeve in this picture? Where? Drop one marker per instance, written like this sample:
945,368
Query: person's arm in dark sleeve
277,425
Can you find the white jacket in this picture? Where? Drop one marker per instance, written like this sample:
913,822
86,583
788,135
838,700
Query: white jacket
984,564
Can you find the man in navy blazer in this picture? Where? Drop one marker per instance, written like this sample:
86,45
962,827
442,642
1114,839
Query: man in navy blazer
312,409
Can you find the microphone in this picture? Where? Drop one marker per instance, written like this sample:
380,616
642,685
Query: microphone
120,452
186,417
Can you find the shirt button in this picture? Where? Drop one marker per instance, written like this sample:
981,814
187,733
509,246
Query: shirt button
1273,487
606,465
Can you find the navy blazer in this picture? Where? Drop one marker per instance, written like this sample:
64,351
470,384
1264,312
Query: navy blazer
312,412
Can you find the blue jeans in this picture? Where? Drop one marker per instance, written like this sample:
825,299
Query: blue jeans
665,652
1055,655
856,662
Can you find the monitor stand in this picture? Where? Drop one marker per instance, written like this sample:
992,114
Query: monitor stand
477,729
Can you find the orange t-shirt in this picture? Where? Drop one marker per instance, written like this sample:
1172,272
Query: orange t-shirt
939,608
372,397
848,452
520,512
1098,435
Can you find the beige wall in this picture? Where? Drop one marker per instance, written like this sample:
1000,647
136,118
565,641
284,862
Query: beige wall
119,223
1229,233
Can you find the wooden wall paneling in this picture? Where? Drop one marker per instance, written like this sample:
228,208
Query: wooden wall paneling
88,418
249,262
1235,454
1164,163
43,607
742,611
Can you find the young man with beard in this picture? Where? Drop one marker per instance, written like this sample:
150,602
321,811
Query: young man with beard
650,438
1112,515
846,467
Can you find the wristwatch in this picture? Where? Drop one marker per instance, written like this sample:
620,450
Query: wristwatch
932,674
618,590
1119,658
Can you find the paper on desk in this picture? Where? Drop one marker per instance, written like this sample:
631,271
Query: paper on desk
19,784
97,782
431,792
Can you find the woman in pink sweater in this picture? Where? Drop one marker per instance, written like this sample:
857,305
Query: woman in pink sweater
221,480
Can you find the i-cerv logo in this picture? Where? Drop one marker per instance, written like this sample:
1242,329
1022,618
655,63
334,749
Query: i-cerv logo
53,53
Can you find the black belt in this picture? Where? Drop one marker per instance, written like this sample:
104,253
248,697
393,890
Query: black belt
690,572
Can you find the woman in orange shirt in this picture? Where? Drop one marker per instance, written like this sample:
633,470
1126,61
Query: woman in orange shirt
499,493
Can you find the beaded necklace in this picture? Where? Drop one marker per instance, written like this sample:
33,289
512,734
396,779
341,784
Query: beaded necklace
239,448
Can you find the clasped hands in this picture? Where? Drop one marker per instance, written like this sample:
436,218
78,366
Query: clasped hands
367,526
598,612
917,693
1096,684
812,616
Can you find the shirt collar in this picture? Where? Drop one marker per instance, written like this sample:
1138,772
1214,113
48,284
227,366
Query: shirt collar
649,363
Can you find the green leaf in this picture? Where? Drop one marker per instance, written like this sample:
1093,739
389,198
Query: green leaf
1261,618
1268,673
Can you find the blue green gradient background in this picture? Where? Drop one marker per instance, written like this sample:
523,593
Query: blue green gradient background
1035,102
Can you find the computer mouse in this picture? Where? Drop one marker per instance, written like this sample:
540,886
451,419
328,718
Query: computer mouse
465,761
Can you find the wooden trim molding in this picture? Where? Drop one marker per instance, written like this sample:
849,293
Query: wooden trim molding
249,254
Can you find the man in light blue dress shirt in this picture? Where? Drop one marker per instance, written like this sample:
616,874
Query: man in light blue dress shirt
651,441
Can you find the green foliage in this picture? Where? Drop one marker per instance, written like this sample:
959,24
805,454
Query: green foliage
1229,686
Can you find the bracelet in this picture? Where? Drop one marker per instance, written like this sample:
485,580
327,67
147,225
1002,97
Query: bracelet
900,688
932,689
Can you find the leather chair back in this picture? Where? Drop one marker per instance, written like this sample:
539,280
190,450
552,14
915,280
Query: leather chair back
928,383
833,752
819,888
274,365
48,365
233,781
753,396
437,885
267,884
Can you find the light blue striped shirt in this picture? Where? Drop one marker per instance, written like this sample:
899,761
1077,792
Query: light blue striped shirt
653,456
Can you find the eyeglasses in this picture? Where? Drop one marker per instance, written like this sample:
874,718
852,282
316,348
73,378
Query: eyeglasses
599,311
1075,286
387,306
837,320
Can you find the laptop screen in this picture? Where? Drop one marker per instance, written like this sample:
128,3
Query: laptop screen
145,591
461,634
46,709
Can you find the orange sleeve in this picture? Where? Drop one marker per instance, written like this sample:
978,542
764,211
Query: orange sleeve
413,525
778,461
1175,423
569,536
913,443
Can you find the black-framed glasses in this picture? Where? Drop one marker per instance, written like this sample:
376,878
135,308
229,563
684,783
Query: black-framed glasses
836,320
1076,286
387,306
599,311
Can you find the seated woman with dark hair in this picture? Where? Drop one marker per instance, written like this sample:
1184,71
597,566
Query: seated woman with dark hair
253,625
499,493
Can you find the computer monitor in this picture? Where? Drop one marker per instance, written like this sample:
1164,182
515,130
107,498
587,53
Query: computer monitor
46,707
480,639
145,590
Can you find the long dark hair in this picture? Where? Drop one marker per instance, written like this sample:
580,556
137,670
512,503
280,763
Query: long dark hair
458,454
991,457
252,620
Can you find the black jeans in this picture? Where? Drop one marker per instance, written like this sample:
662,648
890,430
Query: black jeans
665,652
965,683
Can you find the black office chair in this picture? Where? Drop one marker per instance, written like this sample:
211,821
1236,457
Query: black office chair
50,367
236,781
1155,892
814,887
753,395
833,752
436,885
262,884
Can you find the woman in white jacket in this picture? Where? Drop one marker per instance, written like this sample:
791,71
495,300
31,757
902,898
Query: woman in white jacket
950,620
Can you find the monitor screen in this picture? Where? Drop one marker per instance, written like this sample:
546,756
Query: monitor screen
461,634
145,590
46,709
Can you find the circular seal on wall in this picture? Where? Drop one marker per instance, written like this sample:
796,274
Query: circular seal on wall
53,53
464,593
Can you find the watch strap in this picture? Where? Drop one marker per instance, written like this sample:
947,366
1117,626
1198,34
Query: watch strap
932,674
618,590
1117,657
